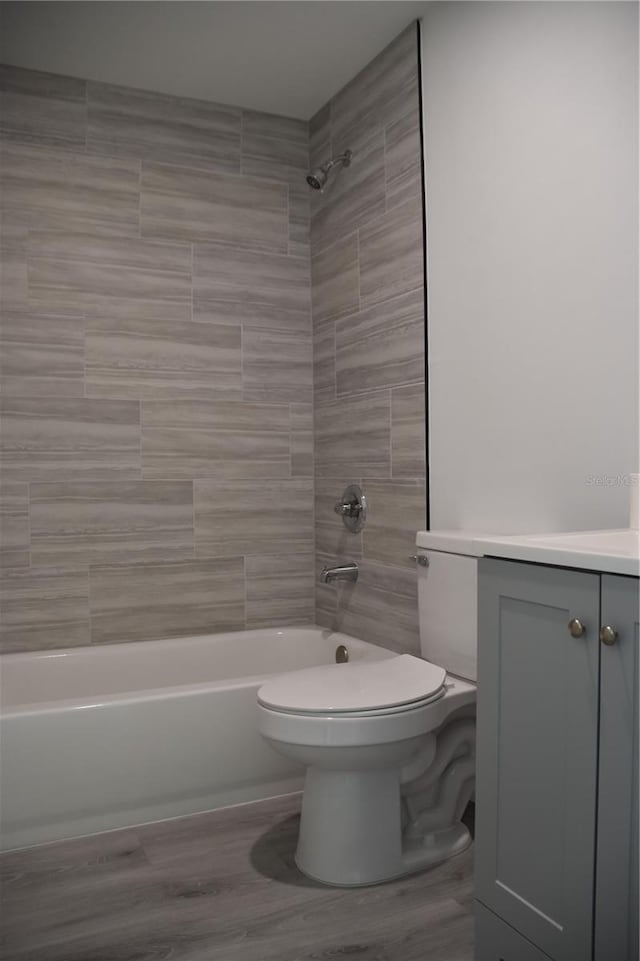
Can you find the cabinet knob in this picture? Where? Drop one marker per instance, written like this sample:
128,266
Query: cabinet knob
608,635
576,627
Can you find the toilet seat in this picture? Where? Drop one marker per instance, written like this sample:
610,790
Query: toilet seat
357,689
358,729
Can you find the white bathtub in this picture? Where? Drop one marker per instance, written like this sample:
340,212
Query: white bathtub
96,738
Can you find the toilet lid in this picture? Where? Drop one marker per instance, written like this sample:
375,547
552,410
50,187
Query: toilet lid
354,687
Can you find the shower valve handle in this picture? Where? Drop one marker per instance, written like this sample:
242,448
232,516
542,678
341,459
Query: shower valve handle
352,508
348,508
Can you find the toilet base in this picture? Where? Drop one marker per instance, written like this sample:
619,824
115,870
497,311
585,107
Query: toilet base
436,849
350,831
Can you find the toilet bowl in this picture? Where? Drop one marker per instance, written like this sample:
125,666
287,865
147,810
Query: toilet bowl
367,812
389,748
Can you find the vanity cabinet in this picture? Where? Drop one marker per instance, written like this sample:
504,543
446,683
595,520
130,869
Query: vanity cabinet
557,764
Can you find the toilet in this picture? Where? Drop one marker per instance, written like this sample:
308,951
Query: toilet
389,745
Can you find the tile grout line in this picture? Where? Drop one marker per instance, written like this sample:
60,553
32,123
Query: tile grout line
193,516
192,277
390,402
140,198
245,597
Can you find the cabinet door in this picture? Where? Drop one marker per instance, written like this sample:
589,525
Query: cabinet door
537,730
497,941
616,930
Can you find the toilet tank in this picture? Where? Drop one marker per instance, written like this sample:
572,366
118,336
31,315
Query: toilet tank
448,600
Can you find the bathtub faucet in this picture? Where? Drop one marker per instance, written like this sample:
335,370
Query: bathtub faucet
343,572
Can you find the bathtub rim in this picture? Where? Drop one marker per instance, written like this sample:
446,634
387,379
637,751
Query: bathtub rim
188,688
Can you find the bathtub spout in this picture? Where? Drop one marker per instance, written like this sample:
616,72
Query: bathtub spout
343,572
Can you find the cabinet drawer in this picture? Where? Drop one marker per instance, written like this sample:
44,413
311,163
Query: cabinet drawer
497,941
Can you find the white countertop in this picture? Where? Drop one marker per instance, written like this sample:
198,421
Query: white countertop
611,551
615,552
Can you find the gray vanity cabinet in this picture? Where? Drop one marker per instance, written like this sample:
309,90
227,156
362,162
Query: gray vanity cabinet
555,743
617,895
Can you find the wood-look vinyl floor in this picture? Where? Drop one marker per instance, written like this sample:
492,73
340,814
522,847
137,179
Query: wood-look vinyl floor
221,887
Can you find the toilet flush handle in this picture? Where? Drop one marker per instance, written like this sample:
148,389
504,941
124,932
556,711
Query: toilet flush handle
421,560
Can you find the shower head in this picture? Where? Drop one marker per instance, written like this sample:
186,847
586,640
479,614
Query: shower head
318,177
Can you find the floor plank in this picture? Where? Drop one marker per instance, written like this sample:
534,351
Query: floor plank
221,886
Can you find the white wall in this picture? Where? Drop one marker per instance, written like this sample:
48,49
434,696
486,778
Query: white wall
531,137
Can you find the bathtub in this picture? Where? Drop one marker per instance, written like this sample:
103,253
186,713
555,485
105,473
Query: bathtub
96,738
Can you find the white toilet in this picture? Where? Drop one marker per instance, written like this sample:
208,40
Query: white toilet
389,744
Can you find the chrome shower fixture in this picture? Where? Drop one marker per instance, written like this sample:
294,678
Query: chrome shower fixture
318,177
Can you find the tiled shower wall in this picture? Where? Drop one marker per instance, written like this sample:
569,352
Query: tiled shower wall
156,350
368,328
157,450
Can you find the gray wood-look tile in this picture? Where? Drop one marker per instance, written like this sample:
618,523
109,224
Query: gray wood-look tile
302,453
365,450
277,365
391,254
298,240
260,289
386,359
403,166
222,887
374,351
396,510
382,606
41,353
113,321
110,870
357,195
162,359
335,280
42,108
13,263
69,439
144,601
76,524
301,440
280,589
43,609
128,254
256,123
380,94
221,191
381,318
273,158
324,362
299,217
217,414
185,452
53,189
301,416
214,438
189,204
255,315
163,128
124,277
408,435
319,133
14,525
253,516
